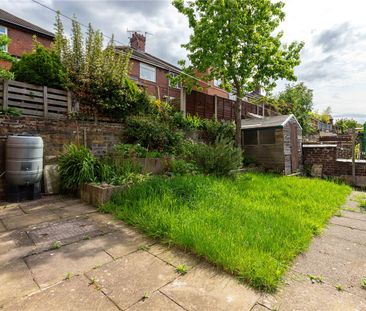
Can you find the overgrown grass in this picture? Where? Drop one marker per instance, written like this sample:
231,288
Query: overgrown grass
252,226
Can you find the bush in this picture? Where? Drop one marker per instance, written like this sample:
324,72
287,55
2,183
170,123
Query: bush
215,129
182,167
42,67
117,170
151,133
219,158
136,151
76,166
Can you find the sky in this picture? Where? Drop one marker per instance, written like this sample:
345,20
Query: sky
334,32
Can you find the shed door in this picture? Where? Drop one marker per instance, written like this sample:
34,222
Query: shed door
294,149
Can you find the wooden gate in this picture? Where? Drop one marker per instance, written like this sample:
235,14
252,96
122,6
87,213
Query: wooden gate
294,149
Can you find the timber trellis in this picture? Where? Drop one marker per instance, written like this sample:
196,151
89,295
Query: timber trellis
35,100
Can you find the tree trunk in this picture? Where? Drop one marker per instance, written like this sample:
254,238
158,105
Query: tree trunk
238,122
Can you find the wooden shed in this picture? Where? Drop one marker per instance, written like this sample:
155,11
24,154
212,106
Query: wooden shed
274,143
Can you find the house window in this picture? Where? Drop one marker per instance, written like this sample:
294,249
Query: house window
250,137
147,72
267,137
4,31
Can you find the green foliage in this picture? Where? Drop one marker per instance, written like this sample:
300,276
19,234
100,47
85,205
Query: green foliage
77,165
297,99
11,111
344,125
136,151
4,56
116,170
182,167
42,67
248,226
98,74
215,129
219,158
237,42
151,133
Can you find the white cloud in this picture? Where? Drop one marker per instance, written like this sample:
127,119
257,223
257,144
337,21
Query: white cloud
333,31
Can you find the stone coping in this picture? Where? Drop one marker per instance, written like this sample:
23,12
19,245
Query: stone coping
320,146
350,161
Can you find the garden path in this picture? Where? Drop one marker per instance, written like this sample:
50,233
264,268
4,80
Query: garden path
59,253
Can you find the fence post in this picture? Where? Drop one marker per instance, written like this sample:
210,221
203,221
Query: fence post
69,102
183,107
45,102
5,94
215,109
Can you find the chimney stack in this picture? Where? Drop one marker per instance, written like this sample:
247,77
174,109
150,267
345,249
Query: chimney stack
138,41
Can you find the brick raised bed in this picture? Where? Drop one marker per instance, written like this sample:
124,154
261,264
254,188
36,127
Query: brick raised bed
96,194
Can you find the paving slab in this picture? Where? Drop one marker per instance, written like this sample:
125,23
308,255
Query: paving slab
44,205
52,266
74,294
174,256
350,223
15,281
10,210
127,280
205,288
25,220
74,210
345,233
118,244
302,295
347,271
158,302
354,215
14,245
2,227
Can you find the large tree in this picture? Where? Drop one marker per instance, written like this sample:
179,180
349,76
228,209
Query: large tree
297,99
236,41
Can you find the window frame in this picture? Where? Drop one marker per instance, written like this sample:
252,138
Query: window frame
256,135
147,67
263,130
5,33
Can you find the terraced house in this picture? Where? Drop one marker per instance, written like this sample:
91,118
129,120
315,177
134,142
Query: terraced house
21,33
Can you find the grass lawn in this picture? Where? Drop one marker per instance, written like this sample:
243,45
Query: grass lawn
252,226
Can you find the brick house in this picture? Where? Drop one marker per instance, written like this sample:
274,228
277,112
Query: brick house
21,34
150,72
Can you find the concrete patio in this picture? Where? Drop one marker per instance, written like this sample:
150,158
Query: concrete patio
59,253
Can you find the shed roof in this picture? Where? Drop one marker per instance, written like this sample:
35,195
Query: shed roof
11,19
266,122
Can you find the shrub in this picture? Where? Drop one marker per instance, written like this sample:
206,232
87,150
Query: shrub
76,166
219,158
11,111
117,170
41,67
4,56
182,167
151,133
215,129
136,150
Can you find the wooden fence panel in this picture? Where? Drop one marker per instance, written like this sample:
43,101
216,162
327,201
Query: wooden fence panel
35,100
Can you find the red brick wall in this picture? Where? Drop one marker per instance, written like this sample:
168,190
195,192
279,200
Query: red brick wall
160,89
325,156
22,41
99,137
